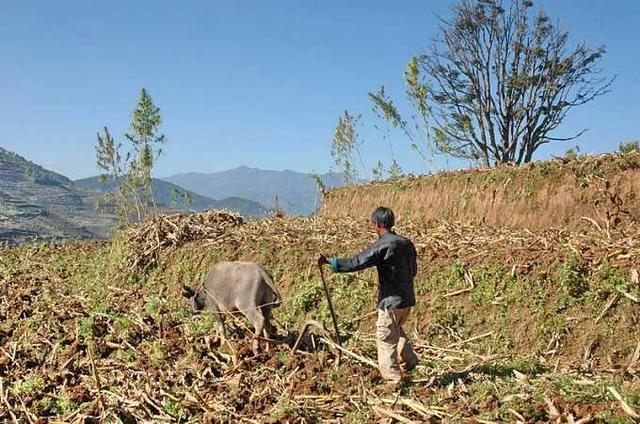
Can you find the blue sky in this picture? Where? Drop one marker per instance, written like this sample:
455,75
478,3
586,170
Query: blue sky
257,83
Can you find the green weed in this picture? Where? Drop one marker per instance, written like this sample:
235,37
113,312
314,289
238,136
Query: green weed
29,385
201,325
284,408
85,329
572,275
174,409
64,405
122,326
154,306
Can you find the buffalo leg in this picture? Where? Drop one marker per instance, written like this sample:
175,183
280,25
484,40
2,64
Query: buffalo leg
257,319
259,327
217,316
270,331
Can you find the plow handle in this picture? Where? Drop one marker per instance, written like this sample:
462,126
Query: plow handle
333,313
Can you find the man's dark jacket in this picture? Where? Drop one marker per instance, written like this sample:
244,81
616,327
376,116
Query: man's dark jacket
395,258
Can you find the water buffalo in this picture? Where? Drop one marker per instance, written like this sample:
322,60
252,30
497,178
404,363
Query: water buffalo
240,288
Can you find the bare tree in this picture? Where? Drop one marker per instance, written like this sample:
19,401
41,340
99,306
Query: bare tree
501,79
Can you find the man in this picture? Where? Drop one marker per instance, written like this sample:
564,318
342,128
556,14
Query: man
395,259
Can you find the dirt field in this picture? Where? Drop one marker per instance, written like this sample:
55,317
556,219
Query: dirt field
529,326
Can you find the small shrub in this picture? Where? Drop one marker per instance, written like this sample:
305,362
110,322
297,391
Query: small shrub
126,355
154,306
563,303
630,147
571,275
609,279
158,352
85,329
174,409
449,318
350,294
284,408
526,366
306,296
29,385
64,405
183,313
284,356
122,326
357,416
34,321
201,325
573,153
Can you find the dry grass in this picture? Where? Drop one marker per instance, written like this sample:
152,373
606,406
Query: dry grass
539,195
84,338
149,239
511,325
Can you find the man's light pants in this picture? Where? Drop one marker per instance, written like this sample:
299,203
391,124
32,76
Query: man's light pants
394,348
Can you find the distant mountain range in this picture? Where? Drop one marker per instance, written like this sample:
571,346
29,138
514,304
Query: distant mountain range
36,203
166,199
39,203
296,193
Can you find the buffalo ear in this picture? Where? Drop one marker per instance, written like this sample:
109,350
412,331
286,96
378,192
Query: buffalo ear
188,292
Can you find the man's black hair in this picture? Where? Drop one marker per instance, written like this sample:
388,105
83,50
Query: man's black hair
383,217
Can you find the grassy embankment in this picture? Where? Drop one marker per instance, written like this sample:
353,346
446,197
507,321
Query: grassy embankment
538,195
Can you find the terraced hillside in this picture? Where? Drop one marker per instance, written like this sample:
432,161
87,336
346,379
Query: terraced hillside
38,203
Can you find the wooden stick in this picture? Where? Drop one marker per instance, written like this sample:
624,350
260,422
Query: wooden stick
444,349
608,306
30,416
333,314
416,406
636,356
480,363
470,340
468,277
593,221
624,405
95,376
349,353
6,402
553,410
628,295
385,413
457,292
367,315
517,415
305,328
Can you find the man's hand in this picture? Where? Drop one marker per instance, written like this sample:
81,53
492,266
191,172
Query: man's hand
322,260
